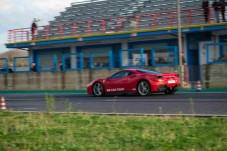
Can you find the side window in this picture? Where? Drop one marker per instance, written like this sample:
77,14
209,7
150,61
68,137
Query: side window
130,73
118,75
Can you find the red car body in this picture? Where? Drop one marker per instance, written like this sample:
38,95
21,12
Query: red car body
140,81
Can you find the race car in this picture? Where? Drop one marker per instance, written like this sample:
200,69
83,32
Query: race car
138,81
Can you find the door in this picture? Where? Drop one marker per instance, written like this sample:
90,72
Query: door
118,82
195,68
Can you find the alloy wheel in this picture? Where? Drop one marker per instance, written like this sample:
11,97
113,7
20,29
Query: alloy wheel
143,88
98,89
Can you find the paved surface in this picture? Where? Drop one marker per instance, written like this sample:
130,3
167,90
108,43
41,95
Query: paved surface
181,103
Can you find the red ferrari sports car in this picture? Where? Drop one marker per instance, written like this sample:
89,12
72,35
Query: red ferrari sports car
140,81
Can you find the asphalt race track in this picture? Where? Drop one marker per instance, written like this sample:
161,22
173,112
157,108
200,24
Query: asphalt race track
181,103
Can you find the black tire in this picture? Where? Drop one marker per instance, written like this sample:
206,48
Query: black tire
143,88
98,89
170,91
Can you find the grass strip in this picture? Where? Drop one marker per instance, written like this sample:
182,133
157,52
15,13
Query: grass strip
82,132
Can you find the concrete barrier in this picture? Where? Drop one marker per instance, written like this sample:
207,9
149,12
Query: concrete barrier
213,76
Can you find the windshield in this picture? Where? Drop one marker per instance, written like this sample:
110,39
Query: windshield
149,71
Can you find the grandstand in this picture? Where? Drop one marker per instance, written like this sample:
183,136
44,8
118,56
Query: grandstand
148,11
105,16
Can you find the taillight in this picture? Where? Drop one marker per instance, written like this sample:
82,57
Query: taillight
177,75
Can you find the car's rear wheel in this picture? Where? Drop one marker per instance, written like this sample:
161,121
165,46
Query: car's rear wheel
170,90
143,88
98,89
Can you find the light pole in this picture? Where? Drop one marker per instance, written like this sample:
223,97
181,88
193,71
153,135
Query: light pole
179,33
180,47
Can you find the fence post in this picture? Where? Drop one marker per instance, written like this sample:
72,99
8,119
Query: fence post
14,35
154,19
137,22
171,18
74,28
103,25
89,27
120,23
22,32
27,35
9,36
190,17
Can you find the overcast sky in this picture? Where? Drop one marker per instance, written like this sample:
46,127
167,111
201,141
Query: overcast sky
16,14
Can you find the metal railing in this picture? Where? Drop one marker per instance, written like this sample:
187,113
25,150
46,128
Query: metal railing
152,20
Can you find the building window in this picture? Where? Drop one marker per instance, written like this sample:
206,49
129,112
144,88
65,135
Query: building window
4,69
22,64
101,59
133,58
73,61
164,56
216,53
47,63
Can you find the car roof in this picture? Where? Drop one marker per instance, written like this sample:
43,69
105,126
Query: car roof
130,69
141,69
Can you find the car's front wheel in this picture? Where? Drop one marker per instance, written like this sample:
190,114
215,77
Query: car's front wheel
98,89
143,88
